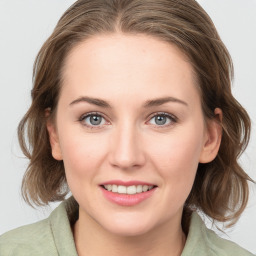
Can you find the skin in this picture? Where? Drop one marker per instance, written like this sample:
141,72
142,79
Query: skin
129,144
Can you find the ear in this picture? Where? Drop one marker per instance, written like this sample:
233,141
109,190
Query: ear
212,138
53,136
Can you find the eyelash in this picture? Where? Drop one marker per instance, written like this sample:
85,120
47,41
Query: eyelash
83,117
173,119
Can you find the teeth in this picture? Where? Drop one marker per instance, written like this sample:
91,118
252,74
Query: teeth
130,190
139,188
114,188
144,188
109,187
121,189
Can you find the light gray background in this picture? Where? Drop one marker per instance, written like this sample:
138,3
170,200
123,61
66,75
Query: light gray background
26,24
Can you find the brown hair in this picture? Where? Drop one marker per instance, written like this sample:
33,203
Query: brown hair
220,189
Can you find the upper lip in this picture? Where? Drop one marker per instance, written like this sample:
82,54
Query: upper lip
127,183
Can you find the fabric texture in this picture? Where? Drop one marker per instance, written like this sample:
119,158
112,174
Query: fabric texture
53,236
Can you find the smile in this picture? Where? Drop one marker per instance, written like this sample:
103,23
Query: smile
129,190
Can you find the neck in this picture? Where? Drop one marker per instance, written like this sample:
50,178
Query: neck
91,239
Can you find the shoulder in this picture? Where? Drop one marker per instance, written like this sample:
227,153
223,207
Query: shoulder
225,247
33,239
203,241
52,236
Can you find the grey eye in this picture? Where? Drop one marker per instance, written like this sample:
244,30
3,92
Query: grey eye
94,119
160,120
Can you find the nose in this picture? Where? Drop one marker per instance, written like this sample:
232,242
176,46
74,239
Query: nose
126,149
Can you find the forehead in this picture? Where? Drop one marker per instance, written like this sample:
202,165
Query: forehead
125,65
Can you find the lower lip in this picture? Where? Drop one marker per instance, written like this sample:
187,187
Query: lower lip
127,200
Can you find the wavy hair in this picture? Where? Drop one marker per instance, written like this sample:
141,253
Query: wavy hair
221,188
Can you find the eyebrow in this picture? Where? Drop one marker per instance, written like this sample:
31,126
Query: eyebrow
93,101
161,101
147,104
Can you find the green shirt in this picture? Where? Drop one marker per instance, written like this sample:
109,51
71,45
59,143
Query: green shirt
53,236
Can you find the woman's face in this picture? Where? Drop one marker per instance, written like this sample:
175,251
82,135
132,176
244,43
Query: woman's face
129,119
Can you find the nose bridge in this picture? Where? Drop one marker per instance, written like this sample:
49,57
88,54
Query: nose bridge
126,146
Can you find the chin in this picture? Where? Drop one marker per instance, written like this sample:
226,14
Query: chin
127,225
129,231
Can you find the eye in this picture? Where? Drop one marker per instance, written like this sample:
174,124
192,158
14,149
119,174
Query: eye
163,119
93,120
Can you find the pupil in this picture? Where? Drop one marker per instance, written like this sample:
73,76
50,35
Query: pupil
160,120
95,120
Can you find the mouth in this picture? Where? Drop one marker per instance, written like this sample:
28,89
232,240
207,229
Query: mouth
128,190
128,193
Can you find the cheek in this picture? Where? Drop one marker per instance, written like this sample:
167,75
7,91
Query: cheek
177,150
82,154
177,156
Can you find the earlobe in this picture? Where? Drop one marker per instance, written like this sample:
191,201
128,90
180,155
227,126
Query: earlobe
213,138
53,137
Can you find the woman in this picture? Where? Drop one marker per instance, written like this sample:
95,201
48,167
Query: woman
132,112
